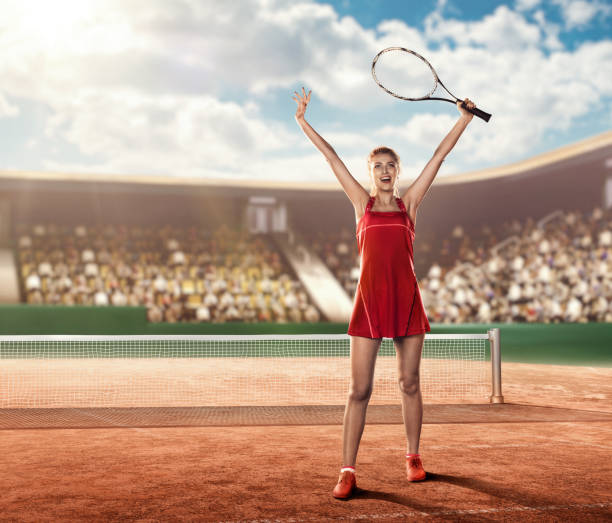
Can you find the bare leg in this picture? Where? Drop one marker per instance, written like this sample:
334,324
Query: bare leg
408,350
363,359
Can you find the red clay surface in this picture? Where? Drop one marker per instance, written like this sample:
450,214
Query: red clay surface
538,468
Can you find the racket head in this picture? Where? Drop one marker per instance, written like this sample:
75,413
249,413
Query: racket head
404,73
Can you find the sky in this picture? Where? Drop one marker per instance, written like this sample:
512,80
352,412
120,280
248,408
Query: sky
202,89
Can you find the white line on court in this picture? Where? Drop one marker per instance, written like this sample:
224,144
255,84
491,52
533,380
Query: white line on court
414,514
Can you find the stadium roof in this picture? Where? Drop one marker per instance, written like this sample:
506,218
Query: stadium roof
569,153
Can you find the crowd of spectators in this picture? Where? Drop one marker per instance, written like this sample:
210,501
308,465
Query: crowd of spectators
339,251
561,272
178,274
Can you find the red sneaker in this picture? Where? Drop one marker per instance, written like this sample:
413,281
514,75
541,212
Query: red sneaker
346,485
414,469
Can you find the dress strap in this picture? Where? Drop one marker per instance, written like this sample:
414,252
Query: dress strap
370,203
400,204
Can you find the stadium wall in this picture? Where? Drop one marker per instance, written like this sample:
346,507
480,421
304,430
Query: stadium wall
93,205
469,204
534,192
573,186
586,344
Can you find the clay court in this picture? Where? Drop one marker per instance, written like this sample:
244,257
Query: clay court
544,455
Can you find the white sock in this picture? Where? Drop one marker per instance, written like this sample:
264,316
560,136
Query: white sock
344,469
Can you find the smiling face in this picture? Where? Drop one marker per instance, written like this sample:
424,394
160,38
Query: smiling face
384,170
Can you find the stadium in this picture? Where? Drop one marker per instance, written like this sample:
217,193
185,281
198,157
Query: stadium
210,312
180,248
141,275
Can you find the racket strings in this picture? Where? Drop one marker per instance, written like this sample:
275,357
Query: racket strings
404,74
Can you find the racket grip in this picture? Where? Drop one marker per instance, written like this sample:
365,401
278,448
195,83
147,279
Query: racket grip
481,114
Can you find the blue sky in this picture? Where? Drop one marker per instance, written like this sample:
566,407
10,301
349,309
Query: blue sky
189,89
369,13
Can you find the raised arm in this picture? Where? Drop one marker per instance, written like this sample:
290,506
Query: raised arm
416,192
353,189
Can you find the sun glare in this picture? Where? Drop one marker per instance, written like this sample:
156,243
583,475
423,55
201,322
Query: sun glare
54,24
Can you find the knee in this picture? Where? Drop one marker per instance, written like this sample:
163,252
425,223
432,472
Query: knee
360,392
409,385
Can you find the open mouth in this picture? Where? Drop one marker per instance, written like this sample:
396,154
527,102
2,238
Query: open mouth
385,179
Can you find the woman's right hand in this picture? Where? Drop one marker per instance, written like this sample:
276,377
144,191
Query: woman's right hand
302,102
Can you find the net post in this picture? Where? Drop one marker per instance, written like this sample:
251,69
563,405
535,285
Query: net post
496,396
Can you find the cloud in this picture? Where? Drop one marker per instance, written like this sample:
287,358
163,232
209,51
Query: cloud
579,13
166,134
185,88
540,95
7,109
550,30
504,29
421,130
526,5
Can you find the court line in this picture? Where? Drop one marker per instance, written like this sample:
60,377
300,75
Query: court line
419,514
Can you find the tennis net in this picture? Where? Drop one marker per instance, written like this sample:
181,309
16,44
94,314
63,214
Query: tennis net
176,371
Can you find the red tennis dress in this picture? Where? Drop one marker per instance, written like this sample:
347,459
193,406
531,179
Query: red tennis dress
387,301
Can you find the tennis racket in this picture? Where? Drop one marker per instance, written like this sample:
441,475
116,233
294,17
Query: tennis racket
408,76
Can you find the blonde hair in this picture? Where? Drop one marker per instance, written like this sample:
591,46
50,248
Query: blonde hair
384,150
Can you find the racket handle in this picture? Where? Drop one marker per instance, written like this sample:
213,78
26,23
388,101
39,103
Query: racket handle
477,112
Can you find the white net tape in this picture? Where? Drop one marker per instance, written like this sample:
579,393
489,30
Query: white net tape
174,371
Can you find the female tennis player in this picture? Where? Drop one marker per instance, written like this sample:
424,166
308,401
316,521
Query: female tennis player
387,300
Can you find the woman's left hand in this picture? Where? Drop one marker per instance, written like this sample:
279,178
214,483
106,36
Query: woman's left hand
464,110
